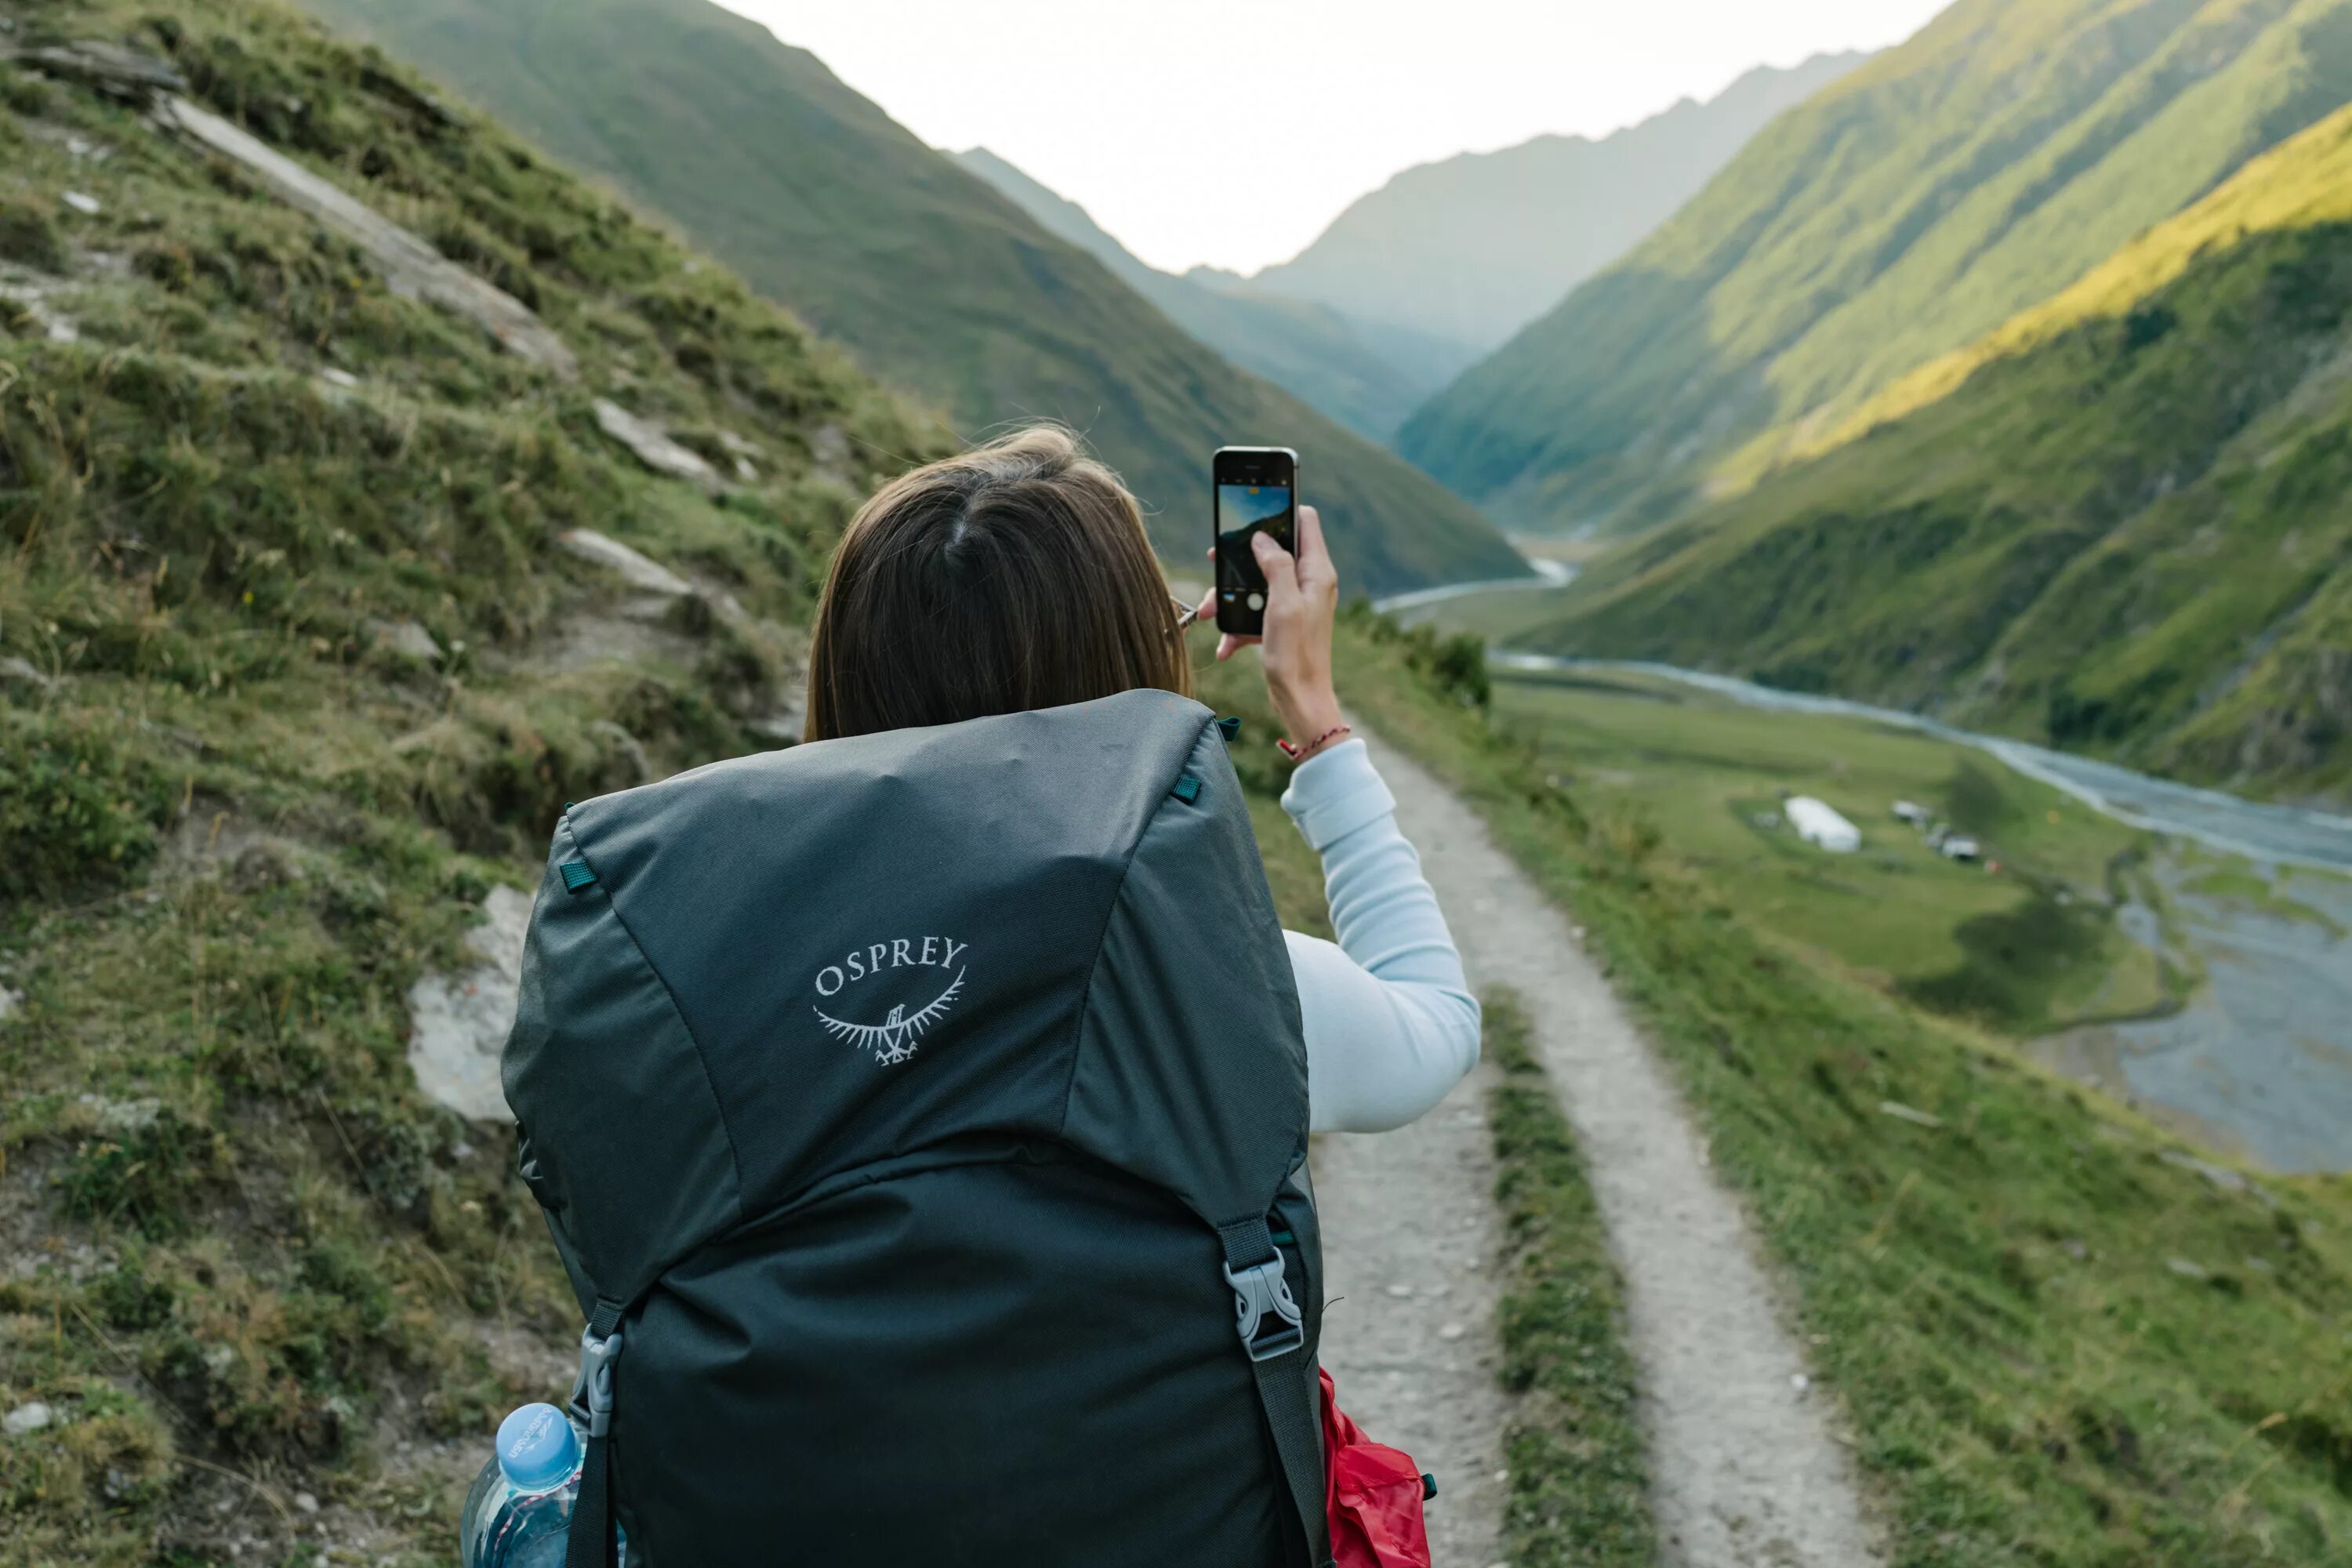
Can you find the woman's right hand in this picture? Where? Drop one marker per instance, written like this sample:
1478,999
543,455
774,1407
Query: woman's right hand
1302,598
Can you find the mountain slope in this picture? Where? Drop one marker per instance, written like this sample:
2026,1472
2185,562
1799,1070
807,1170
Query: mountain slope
299,662
2117,523
1472,248
1306,349
932,278
1904,211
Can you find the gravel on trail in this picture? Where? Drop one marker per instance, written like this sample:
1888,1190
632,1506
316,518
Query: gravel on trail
1747,1469
1409,1279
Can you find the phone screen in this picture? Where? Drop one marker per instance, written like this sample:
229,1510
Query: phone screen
1243,510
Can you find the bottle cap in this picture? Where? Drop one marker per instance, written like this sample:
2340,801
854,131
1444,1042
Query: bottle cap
537,1448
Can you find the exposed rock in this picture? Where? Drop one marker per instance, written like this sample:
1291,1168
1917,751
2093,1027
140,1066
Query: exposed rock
743,451
628,745
30,293
460,1021
406,638
25,1419
336,376
636,570
83,203
412,268
2186,1269
2221,1176
9,1002
22,672
117,1116
653,447
118,72
1902,1112
830,444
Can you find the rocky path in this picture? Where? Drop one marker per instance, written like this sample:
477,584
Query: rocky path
1746,1469
1409,1255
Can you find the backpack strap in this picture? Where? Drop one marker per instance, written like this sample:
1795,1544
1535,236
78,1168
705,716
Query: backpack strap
1272,1335
591,1544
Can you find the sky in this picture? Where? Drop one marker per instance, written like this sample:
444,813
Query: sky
1231,131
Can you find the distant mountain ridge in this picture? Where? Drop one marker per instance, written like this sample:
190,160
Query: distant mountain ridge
1469,249
1311,350
926,274
1901,213
2116,524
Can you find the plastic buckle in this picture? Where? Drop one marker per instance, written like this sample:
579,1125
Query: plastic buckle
1260,1292
596,1381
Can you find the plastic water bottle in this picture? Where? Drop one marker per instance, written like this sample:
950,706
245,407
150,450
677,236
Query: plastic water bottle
519,1513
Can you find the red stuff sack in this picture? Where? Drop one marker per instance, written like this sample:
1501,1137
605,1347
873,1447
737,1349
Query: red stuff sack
1372,1495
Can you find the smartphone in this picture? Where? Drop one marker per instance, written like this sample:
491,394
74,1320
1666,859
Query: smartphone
1256,490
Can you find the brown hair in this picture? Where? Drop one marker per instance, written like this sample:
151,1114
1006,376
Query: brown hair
1013,577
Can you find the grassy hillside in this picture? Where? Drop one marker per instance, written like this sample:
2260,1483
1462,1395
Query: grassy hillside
1471,248
2117,523
1308,348
1900,215
2057,1336
292,673
934,281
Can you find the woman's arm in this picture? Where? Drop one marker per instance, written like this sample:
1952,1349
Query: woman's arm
1390,1023
1390,1020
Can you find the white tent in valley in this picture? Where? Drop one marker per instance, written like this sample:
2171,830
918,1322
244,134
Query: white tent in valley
1817,824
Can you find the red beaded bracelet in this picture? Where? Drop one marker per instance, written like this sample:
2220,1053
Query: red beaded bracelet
1299,754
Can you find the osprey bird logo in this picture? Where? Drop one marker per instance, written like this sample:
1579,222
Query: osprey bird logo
892,1040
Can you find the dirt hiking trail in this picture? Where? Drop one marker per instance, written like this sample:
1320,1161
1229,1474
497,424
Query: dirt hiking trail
1745,1471
1410,1259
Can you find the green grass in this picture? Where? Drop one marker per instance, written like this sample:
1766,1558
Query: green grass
1904,212
933,278
235,826
1579,1484
2025,949
2119,534
1994,1301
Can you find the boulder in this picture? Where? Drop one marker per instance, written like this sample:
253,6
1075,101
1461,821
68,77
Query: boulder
459,1022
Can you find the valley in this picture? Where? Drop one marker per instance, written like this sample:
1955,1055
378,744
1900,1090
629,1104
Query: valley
372,486
937,284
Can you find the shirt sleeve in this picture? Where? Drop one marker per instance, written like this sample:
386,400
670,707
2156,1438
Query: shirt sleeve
1389,1021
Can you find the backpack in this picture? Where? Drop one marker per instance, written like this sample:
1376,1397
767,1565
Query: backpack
921,1119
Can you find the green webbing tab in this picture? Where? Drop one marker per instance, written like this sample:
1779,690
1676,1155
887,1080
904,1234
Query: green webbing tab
1188,789
576,875
1231,729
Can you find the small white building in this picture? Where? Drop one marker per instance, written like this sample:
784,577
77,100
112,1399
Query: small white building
1818,824
1960,846
1911,812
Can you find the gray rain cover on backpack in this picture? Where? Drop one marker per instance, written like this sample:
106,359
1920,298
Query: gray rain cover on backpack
926,1110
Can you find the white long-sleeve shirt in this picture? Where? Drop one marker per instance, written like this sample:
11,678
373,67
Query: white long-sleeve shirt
1390,1020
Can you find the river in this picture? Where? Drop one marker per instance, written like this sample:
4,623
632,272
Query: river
2259,1061
2277,835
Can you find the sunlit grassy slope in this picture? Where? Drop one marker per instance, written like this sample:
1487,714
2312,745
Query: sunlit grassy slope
2117,523
2056,1338
1900,215
933,280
